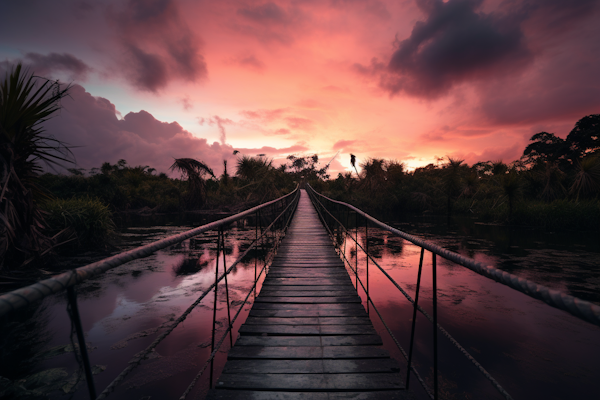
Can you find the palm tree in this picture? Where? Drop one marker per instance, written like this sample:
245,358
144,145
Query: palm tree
194,171
511,186
225,175
587,180
353,162
452,180
252,168
26,102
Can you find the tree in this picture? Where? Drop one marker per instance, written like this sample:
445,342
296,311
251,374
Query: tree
452,180
545,147
587,179
353,162
26,102
585,136
194,171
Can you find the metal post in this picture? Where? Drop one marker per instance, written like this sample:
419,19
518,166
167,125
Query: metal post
356,270
212,341
435,330
255,248
346,233
414,319
227,289
367,251
262,239
74,314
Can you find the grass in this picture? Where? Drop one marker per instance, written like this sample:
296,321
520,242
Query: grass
87,220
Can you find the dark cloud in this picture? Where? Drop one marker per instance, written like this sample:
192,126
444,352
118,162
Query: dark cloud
147,71
149,128
268,22
266,13
159,44
49,65
374,7
555,16
282,131
454,44
565,87
445,133
458,42
91,125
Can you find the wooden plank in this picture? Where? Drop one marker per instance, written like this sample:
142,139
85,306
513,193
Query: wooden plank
309,300
308,321
317,366
283,313
307,334
375,381
307,352
307,281
300,341
290,330
224,394
308,274
306,293
300,307
313,287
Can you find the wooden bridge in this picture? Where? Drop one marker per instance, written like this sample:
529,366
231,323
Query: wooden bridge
308,335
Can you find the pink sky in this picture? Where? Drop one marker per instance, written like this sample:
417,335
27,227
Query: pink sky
409,80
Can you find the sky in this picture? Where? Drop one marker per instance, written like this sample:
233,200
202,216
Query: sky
409,80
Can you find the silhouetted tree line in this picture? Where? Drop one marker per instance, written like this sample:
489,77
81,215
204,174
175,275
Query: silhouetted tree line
554,175
556,181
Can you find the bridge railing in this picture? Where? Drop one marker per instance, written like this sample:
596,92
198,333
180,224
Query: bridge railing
332,213
272,220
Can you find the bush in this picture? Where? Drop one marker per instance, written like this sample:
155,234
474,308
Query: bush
88,219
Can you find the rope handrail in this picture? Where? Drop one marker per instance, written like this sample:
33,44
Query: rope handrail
346,261
480,367
577,307
139,357
22,297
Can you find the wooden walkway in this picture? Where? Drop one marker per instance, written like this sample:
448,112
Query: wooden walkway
307,335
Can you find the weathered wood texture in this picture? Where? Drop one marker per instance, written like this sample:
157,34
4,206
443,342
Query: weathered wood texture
308,335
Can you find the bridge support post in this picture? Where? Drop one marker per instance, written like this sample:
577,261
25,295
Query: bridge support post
367,257
212,340
414,318
255,248
226,288
74,314
356,269
435,329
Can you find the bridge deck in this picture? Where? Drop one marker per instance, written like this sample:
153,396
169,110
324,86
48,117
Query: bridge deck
307,330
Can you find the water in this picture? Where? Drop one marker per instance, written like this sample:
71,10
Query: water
533,350
123,311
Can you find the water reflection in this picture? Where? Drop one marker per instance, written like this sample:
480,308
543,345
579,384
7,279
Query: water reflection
123,311
533,350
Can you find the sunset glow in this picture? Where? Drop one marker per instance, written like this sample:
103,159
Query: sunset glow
407,80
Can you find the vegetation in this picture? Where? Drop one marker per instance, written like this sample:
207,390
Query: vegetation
85,221
555,184
26,101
